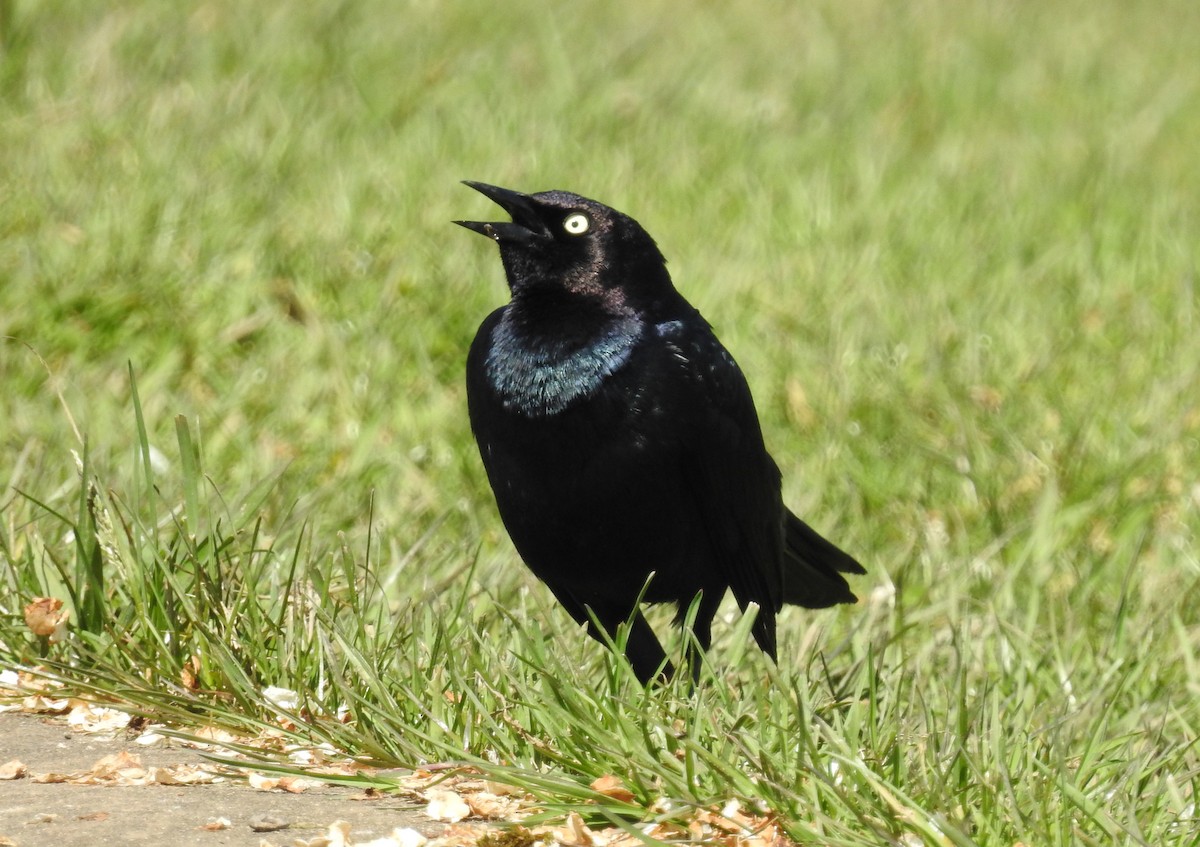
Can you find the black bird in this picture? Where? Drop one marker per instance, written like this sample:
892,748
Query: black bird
621,440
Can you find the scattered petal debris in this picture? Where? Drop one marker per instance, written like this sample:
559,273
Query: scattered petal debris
126,769
450,798
22,691
89,717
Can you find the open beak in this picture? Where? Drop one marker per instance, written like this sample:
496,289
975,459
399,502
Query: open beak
526,222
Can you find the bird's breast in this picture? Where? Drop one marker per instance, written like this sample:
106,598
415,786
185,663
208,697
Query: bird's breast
542,379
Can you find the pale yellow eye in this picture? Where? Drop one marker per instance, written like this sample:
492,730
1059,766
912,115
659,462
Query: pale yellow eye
576,223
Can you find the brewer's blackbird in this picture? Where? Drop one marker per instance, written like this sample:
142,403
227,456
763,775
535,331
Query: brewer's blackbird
621,440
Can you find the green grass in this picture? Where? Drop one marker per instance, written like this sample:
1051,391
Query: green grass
953,246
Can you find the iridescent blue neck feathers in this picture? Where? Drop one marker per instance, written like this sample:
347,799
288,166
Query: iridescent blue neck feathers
542,378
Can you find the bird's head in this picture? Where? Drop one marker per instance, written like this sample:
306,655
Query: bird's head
561,241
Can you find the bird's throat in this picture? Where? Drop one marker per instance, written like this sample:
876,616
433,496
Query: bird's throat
540,375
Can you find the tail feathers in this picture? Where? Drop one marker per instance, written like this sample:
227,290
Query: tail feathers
813,568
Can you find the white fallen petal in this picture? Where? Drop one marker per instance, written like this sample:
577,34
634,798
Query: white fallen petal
446,806
263,782
408,837
397,838
284,698
339,834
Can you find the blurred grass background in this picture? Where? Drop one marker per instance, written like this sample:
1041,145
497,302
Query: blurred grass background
952,245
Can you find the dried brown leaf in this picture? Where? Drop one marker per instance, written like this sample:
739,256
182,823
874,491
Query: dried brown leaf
500,788
486,805
460,835
122,765
209,737
46,618
187,674
611,786
298,784
13,769
52,778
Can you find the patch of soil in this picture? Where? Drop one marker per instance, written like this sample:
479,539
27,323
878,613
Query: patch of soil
65,815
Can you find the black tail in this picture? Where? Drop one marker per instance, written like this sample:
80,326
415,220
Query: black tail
813,568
